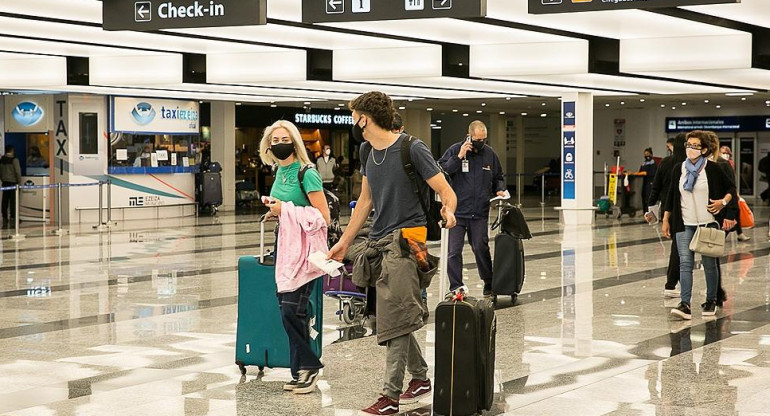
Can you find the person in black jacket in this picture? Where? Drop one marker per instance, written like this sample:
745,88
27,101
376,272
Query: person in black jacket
650,169
701,194
659,193
477,175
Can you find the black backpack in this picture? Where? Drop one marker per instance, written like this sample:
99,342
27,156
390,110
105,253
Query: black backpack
334,229
432,209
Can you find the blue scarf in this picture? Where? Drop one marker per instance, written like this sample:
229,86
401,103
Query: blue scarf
693,171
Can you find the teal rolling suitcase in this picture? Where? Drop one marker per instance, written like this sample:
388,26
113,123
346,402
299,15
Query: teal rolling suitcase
261,339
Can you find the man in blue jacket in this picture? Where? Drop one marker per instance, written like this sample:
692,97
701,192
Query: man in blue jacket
476,177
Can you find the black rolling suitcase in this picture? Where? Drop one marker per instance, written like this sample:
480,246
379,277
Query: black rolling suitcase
508,269
465,357
209,191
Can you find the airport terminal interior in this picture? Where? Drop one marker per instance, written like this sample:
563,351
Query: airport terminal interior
119,283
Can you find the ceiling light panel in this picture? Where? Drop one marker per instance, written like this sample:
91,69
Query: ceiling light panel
21,70
754,12
136,70
237,68
685,53
453,31
366,64
529,58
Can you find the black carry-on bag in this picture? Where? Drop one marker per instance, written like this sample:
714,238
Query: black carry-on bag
508,269
465,353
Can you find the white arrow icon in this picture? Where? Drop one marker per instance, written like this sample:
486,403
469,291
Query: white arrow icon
335,3
142,11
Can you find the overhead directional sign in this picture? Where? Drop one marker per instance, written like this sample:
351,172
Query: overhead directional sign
567,6
171,14
322,11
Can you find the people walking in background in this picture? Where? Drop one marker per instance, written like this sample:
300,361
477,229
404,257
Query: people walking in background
659,194
650,169
477,175
701,194
326,165
10,174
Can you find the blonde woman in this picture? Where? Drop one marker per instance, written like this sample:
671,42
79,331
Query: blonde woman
282,145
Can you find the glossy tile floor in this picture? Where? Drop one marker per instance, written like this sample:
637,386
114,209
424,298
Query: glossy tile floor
141,321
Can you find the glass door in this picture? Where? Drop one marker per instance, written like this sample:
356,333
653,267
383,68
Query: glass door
745,165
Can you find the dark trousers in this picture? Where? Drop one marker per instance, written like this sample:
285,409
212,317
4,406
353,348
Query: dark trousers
478,236
672,273
9,200
294,307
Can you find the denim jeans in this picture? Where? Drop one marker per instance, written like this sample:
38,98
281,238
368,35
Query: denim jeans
687,262
294,307
478,236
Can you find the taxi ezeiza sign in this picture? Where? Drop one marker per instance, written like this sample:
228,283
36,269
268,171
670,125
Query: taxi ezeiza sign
147,15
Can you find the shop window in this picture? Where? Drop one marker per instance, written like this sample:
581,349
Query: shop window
153,153
89,134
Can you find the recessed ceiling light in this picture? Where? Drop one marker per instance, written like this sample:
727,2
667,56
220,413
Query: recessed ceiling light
336,109
622,103
460,64
684,103
479,111
544,115
402,108
200,102
438,121
523,114
662,106
508,98
706,101
341,104
465,114
743,98
306,103
544,104
502,113
767,102
673,108
641,100
454,110
429,108
237,103
719,106
411,99
273,105
483,104
607,105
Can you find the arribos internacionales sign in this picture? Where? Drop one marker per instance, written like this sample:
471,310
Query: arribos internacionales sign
568,6
147,15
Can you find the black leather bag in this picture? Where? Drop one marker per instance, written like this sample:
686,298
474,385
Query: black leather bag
512,222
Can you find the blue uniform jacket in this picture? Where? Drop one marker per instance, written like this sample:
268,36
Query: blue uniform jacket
475,188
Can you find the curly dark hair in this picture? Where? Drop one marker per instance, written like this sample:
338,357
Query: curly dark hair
706,139
376,105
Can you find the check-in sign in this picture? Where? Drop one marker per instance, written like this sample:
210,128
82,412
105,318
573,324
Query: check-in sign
147,15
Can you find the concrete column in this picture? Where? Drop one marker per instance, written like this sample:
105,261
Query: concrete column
577,158
496,131
223,148
417,123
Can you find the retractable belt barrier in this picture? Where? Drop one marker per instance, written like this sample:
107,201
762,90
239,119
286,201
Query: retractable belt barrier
59,186
519,186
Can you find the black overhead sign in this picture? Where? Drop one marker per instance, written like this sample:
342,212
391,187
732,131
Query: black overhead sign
320,11
568,6
173,14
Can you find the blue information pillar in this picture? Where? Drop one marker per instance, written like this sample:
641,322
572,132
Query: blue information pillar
577,158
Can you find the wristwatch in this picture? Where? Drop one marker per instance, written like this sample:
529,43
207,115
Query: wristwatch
724,203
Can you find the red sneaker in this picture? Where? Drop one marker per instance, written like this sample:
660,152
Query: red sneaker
417,390
383,406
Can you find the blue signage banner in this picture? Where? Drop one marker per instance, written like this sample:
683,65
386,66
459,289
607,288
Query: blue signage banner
569,113
568,165
718,124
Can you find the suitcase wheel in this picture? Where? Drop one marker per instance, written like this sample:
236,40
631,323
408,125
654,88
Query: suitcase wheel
348,313
261,368
241,367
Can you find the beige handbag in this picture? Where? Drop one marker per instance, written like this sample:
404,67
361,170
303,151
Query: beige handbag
707,241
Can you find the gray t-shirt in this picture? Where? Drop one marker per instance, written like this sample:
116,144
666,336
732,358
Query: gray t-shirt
395,204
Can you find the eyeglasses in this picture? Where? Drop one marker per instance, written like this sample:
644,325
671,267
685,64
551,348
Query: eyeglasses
693,146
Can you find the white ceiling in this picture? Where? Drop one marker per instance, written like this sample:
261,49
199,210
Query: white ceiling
71,28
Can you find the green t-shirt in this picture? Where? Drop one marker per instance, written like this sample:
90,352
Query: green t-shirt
286,186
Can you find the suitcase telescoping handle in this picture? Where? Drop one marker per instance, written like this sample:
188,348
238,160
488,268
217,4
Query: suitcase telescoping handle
262,237
443,275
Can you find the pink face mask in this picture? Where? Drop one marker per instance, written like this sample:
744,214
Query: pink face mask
693,153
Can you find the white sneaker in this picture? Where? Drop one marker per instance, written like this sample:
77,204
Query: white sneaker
743,237
672,293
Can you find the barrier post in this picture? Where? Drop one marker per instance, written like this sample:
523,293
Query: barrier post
17,236
59,230
542,190
45,200
101,226
518,189
110,222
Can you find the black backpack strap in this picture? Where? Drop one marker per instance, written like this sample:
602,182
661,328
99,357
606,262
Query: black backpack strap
406,160
301,178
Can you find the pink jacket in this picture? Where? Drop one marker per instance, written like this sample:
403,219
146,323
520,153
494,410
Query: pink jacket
302,232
